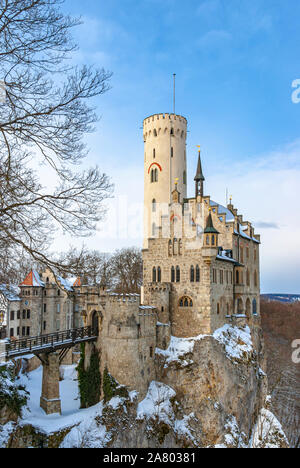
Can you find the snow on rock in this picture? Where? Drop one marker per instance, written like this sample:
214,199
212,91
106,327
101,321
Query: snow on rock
178,349
182,428
90,433
268,432
237,341
5,433
157,403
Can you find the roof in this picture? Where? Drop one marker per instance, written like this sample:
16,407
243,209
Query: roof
223,210
33,280
199,175
10,292
77,282
65,283
244,235
209,226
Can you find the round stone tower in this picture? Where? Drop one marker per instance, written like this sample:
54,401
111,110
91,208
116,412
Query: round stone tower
165,167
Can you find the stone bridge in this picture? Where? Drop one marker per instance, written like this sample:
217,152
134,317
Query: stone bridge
51,350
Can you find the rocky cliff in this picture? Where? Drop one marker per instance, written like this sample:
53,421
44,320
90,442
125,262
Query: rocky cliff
210,391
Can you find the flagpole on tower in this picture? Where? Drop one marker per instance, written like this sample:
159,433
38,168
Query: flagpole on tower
174,90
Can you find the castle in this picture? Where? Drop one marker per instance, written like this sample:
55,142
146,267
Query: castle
200,271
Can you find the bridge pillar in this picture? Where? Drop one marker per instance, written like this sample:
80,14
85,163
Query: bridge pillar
50,399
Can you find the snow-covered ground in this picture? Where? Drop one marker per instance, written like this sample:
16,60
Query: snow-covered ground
70,402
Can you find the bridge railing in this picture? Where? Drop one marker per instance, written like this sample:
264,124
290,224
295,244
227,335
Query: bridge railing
50,340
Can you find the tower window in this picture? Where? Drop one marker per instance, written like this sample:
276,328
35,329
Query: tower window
172,152
154,275
154,153
153,205
197,274
192,274
170,248
184,177
153,229
173,275
185,302
177,274
172,131
159,275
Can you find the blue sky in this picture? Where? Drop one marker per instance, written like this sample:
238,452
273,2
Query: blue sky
235,62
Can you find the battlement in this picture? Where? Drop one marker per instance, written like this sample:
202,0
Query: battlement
115,297
164,117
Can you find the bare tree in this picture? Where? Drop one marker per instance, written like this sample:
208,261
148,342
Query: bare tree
43,119
94,267
127,267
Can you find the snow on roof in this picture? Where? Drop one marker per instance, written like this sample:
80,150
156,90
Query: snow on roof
223,256
244,235
223,210
65,283
33,280
10,292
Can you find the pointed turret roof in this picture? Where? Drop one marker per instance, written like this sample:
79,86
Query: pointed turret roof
209,226
33,279
199,175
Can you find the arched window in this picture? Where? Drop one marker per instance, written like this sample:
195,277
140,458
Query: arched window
184,177
240,306
197,274
254,307
155,175
155,132
213,240
172,131
248,278
207,240
153,205
255,279
177,274
154,275
185,302
170,247
173,275
180,247
192,274
152,175
153,153
153,229
159,275
242,254
218,309
172,152
175,246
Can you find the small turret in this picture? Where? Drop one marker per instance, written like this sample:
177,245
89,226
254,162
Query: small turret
199,178
211,234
